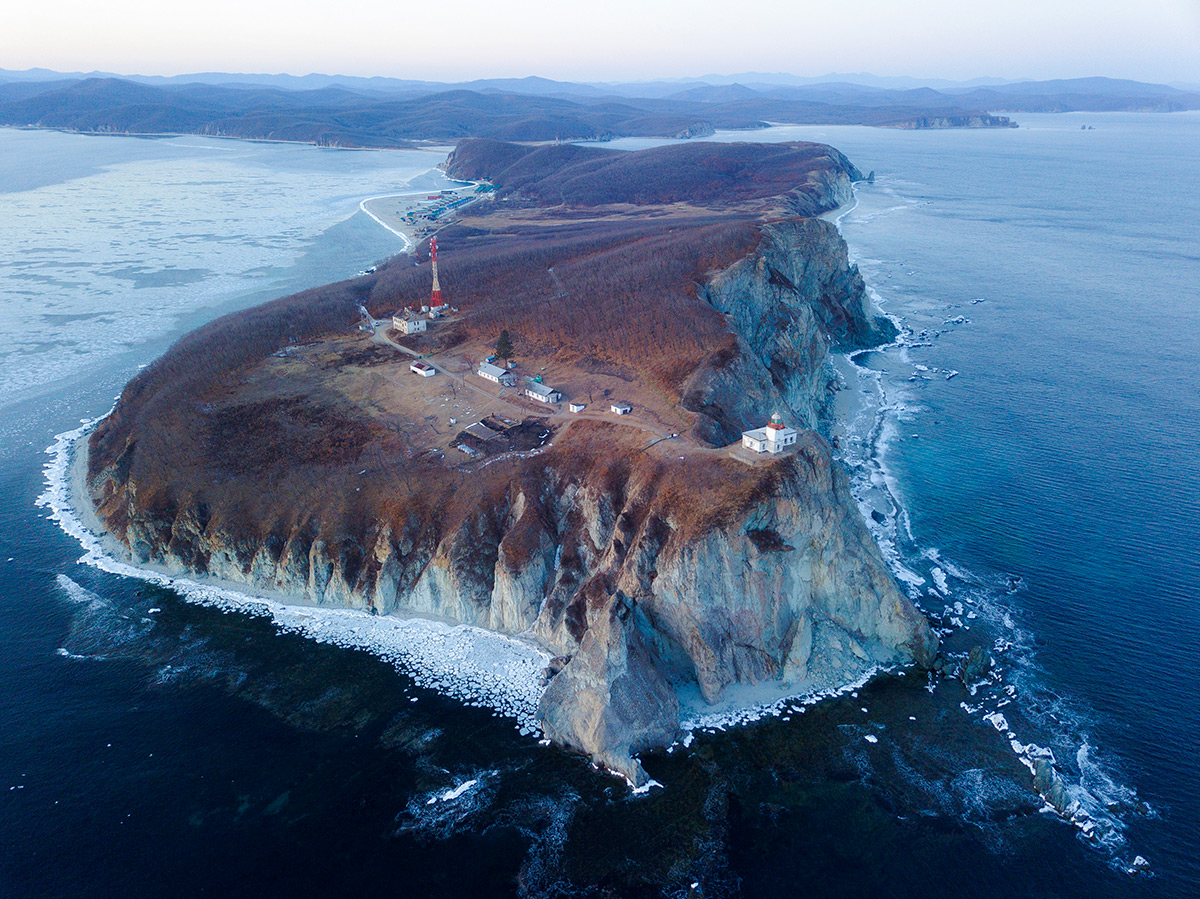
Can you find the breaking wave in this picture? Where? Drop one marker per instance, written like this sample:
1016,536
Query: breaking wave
478,667
1072,778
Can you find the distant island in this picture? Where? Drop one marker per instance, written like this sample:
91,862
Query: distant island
599,431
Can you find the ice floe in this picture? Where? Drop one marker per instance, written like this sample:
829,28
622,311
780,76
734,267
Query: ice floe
474,665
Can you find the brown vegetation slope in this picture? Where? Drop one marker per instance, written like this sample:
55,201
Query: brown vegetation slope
793,174
594,294
213,461
606,283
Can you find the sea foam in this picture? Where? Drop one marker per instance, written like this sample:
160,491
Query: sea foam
883,405
476,666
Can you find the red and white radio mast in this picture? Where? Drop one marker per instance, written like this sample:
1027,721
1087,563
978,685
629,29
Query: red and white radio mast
435,300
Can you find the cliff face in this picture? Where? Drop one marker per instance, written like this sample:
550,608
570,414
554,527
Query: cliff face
788,304
647,572
789,590
666,571
777,580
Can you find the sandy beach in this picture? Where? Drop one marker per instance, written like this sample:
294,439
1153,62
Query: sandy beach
416,215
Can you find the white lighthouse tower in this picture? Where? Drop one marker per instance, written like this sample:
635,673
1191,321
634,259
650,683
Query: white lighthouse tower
774,438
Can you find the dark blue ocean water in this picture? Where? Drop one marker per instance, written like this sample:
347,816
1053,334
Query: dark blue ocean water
1065,452
1051,488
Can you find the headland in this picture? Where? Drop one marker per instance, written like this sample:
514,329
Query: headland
568,465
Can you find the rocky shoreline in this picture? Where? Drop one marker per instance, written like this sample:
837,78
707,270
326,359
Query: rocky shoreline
641,572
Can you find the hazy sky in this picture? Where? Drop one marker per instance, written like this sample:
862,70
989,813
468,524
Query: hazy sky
1151,40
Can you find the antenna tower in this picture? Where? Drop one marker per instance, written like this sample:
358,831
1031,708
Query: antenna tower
436,299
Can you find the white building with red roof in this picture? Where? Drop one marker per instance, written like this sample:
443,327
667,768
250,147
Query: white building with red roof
774,438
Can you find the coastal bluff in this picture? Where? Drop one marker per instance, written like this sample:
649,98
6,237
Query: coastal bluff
288,449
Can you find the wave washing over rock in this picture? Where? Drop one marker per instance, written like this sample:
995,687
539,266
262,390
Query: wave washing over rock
999,671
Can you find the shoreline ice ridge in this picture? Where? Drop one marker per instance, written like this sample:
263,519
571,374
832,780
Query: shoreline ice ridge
476,666
409,244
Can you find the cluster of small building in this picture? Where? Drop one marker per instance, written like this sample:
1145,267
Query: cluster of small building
409,321
534,389
441,204
776,437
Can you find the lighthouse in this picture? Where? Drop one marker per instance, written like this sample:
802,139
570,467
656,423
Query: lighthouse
436,304
774,438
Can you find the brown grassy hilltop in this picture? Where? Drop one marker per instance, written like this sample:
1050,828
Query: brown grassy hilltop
600,292
287,448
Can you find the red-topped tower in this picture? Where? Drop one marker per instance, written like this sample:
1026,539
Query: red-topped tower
435,301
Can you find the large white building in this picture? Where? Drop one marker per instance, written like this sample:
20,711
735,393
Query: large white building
408,322
774,438
540,392
497,375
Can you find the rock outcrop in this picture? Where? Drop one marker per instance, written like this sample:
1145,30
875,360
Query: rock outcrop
648,577
612,700
788,304
655,574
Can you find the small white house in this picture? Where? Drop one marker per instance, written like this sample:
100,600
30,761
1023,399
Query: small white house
774,438
495,374
621,408
424,369
542,393
577,407
408,323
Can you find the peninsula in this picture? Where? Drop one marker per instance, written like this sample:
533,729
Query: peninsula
550,443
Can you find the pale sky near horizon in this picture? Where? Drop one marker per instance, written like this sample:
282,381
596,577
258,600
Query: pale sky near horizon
616,40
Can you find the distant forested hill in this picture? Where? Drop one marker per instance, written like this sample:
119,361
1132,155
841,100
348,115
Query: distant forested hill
339,117
388,113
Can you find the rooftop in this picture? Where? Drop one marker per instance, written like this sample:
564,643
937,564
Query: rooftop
770,432
486,368
482,431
